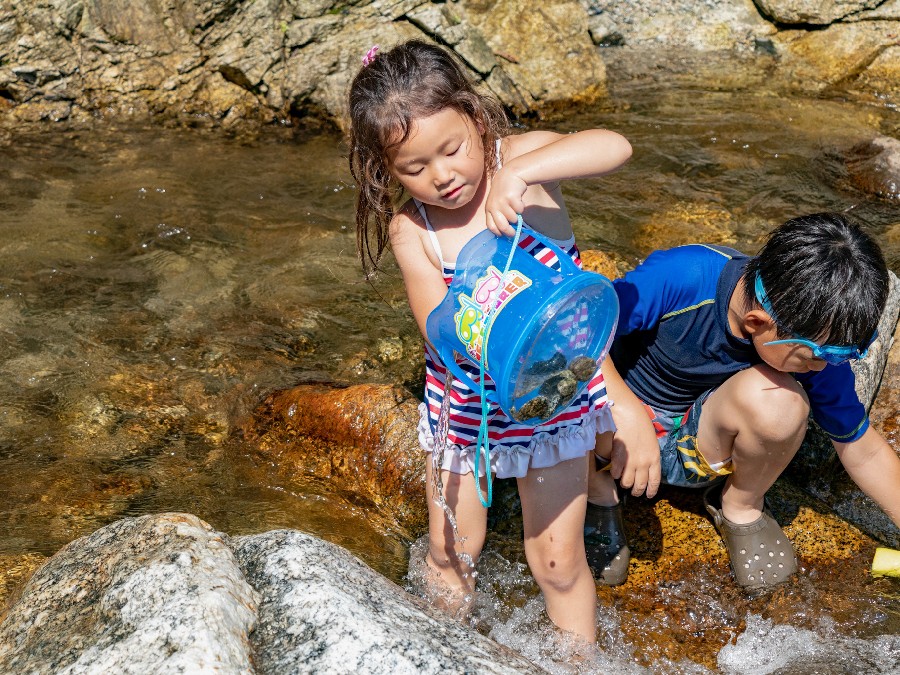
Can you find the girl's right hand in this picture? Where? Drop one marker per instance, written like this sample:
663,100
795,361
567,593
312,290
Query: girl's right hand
505,202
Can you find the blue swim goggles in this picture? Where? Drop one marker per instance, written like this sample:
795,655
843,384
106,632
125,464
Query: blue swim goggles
831,354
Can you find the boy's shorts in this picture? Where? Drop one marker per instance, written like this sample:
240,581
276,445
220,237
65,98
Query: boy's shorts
681,460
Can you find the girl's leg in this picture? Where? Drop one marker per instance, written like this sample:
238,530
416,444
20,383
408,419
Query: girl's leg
553,507
450,561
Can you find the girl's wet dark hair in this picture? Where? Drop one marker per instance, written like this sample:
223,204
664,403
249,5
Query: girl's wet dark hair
413,80
826,279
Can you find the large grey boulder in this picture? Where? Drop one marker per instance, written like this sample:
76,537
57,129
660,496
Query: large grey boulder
166,593
817,469
156,594
324,611
816,12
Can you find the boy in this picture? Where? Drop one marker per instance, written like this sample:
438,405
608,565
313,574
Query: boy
728,355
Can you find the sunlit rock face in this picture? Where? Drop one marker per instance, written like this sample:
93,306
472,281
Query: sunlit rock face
150,594
813,11
231,64
322,610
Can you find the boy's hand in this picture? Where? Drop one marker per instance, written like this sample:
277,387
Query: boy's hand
504,202
635,451
635,455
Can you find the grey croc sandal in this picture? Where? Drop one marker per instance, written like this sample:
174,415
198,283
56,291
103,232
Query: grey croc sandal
607,549
761,555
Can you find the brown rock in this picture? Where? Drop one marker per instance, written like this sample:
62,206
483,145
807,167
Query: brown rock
601,263
836,56
680,600
361,439
686,223
812,11
882,75
547,54
874,167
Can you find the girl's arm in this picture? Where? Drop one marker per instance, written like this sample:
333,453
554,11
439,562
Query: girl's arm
425,287
541,157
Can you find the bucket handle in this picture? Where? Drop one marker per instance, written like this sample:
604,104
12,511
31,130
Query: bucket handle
565,261
449,360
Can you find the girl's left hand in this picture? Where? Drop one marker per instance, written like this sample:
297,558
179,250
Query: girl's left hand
505,202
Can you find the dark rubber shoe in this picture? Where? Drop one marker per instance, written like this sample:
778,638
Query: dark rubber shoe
761,555
605,544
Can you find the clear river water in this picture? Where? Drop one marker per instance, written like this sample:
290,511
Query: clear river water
156,283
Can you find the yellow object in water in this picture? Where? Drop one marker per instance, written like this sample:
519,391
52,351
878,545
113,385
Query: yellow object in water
886,563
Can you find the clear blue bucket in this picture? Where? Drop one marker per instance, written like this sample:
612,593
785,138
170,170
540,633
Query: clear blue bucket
547,332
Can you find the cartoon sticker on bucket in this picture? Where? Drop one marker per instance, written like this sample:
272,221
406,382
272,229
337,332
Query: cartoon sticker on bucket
487,295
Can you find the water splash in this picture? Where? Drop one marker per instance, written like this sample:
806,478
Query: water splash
765,647
437,457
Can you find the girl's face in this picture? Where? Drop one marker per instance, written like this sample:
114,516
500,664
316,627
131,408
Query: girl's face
442,161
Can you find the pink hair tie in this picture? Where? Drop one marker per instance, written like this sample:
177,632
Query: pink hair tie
370,56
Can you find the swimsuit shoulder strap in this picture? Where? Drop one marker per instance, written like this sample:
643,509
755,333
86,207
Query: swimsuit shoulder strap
431,233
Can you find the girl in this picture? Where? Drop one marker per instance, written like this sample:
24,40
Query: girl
418,128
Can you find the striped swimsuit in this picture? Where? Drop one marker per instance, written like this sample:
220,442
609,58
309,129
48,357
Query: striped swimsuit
514,447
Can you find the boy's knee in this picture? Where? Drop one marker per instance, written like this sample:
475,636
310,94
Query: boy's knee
781,396
773,400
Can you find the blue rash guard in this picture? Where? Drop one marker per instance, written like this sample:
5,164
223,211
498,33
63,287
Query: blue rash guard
673,340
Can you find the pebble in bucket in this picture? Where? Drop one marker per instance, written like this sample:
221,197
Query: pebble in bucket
554,326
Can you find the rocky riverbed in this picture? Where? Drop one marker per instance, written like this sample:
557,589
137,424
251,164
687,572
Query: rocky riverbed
184,338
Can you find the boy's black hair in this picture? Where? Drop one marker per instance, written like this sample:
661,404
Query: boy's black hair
825,278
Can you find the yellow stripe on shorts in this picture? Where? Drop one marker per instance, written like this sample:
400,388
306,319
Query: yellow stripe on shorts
694,461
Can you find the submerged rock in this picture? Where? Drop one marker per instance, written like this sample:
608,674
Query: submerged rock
874,167
361,439
686,223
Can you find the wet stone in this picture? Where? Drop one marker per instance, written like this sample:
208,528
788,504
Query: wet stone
323,610
158,593
583,368
539,406
874,167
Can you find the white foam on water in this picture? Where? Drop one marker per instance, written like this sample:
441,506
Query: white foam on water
509,608
765,647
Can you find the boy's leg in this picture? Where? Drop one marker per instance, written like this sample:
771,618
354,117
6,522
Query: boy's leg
450,560
553,508
606,546
602,489
757,418
755,422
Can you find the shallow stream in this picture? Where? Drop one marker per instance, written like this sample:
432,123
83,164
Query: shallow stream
155,284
